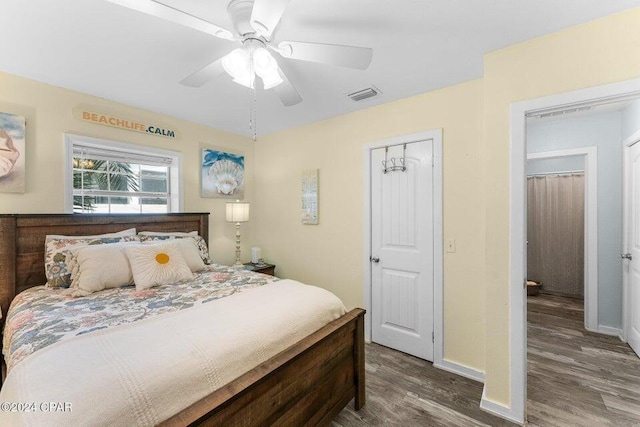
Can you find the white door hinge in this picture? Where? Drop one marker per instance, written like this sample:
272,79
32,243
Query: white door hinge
433,337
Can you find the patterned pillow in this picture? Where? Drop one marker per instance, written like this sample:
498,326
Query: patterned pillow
159,264
200,243
168,233
56,250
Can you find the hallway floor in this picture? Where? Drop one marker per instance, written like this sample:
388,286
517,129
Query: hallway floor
405,391
576,377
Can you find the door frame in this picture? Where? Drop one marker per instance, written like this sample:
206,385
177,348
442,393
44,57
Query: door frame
590,155
438,248
626,179
517,226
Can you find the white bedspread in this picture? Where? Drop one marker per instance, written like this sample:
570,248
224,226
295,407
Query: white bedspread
144,372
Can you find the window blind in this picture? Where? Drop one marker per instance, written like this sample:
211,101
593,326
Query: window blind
88,152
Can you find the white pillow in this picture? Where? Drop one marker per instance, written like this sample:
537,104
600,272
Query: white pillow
99,267
160,264
168,233
189,250
200,243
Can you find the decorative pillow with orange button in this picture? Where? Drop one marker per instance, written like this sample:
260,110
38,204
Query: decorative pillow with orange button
157,264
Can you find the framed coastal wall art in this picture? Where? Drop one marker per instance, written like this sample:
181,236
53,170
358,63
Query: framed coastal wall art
12,151
222,174
310,197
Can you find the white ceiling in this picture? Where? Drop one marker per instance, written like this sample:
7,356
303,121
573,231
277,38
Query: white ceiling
102,49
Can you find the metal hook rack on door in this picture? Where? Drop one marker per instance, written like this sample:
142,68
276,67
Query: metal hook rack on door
397,164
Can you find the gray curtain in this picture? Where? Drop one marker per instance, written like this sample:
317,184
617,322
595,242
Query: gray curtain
555,233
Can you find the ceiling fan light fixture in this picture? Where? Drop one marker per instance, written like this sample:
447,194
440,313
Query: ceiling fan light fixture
271,80
236,64
262,59
266,67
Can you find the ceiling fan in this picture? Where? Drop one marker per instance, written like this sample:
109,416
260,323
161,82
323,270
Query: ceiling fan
255,23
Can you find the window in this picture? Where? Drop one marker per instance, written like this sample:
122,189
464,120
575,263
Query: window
110,177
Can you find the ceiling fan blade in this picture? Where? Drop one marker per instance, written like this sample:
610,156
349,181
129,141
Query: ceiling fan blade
266,15
176,16
204,75
286,92
333,54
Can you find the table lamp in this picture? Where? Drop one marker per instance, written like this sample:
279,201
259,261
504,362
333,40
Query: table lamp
237,212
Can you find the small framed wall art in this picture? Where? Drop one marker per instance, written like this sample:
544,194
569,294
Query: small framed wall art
222,174
310,197
12,150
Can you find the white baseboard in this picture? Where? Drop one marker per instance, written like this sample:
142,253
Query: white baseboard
608,330
461,370
500,410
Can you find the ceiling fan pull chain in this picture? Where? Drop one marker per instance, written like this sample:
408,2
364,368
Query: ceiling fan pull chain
252,95
255,116
252,113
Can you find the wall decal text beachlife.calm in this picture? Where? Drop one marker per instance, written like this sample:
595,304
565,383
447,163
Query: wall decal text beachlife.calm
131,124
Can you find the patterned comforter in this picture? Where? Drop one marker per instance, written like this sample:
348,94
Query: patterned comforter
40,316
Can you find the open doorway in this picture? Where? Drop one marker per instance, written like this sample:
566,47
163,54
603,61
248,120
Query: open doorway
565,148
566,319
601,95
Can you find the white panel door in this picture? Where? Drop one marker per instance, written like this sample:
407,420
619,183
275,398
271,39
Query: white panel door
402,250
633,302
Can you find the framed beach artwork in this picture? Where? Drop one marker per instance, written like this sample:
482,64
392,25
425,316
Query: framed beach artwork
12,149
222,174
310,197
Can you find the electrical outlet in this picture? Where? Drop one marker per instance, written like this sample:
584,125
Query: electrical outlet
451,246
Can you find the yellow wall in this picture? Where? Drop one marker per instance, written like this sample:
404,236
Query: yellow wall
475,120
48,111
599,52
330,254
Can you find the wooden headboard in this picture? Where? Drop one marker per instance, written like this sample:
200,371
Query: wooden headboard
22,240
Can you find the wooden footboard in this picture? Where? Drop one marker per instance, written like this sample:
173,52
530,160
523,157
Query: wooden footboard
307,384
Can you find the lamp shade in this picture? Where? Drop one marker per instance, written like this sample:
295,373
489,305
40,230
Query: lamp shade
237,212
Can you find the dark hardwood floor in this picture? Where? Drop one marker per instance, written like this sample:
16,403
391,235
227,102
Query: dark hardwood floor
576,377
406,391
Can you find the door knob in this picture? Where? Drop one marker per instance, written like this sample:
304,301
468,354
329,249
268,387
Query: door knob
626,256
374,259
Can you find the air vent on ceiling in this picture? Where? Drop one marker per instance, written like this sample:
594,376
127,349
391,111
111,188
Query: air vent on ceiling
364,94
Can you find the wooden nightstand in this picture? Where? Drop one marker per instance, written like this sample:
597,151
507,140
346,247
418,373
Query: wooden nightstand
269,269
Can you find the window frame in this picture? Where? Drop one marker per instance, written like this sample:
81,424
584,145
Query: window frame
175,184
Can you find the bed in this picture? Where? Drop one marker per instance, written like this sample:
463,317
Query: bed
307,383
